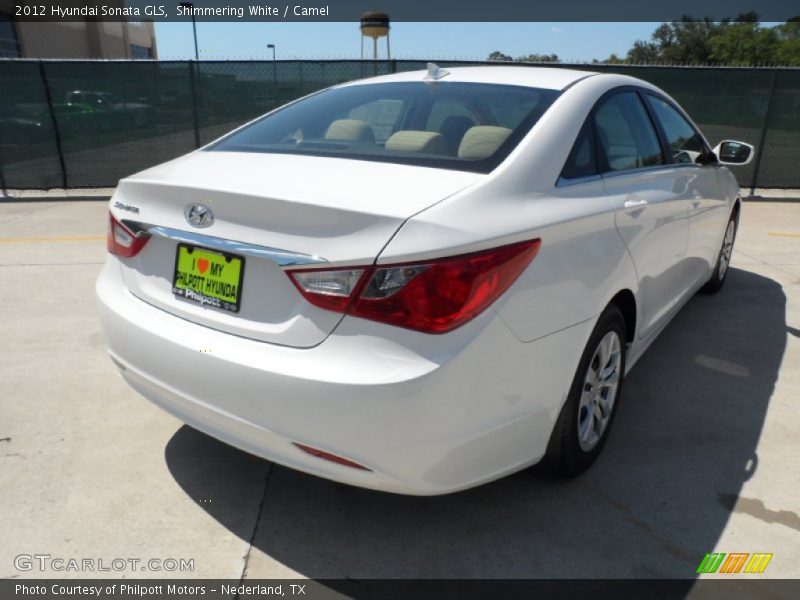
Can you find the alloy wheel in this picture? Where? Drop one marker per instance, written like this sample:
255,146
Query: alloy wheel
727,250
599,391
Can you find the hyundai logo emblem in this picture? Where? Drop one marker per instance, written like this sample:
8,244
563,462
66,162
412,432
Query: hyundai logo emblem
199,215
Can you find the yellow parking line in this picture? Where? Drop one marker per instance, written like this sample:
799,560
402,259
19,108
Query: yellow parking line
784,234
39,240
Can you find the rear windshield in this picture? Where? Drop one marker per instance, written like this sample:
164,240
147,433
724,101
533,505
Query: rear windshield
463,126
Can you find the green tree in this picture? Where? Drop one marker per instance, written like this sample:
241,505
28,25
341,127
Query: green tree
742,41
678,42
539,58
788,52
499,56
642,53
611,60
745,43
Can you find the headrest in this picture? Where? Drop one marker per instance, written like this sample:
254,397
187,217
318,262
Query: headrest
416,141
350,130
482,141
453,129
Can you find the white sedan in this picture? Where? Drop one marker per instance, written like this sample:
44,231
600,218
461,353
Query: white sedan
421,282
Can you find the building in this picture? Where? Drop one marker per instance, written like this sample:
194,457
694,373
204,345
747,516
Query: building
89,38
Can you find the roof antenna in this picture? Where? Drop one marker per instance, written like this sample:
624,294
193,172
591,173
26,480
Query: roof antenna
435,72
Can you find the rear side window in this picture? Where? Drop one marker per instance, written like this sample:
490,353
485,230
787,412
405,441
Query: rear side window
582,161
685,143
626,134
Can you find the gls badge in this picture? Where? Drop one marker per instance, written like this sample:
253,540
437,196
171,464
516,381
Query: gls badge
199,215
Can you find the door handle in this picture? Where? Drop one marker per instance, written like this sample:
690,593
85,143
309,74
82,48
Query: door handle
635,203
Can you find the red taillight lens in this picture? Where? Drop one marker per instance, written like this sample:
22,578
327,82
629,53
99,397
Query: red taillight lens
433,296
441,295
122,241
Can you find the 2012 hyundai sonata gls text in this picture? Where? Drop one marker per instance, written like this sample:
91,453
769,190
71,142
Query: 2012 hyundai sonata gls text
421,282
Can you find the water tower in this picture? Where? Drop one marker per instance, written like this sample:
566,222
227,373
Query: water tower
375,24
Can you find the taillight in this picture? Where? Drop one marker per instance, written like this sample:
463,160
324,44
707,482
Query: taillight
431,296
122,241
328,289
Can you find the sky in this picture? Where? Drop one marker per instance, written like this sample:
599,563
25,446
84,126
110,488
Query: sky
573,42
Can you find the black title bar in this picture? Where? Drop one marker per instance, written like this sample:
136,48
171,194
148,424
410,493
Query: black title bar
398,10
394,589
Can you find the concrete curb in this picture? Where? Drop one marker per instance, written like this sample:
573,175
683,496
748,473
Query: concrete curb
56,194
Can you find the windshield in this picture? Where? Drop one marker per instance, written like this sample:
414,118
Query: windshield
464,126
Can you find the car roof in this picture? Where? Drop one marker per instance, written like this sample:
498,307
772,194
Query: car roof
553,78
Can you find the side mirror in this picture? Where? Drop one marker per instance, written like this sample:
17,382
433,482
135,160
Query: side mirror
730,152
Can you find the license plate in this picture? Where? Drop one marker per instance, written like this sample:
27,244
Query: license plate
208,277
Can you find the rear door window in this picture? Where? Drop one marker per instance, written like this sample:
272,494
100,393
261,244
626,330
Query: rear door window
626,134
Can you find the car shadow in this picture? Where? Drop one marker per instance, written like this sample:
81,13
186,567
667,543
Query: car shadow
684,442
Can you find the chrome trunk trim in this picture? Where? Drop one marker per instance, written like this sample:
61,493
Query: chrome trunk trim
283,258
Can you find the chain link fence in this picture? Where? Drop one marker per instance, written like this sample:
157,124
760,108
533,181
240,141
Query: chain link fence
80,124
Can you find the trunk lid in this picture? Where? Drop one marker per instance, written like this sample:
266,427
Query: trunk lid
336,211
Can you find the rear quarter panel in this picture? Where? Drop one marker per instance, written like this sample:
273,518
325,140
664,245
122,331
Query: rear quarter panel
581,265
583,261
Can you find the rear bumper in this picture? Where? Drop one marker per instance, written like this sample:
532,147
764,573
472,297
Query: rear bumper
426,414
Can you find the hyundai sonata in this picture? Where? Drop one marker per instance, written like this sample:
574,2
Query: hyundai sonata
420,282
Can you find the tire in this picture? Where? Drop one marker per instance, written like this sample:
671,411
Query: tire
721,269
579,436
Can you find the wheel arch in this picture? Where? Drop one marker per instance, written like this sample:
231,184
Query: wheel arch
737,207
625,301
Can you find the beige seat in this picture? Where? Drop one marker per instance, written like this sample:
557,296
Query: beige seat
482,141
430,142
350,130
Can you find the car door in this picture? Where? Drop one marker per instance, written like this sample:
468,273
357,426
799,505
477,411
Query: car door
698,179
651,212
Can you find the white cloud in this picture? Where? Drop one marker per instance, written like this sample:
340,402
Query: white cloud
555,29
